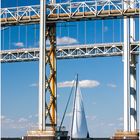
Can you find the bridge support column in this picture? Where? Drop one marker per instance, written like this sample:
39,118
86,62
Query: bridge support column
126,75
47,80
133,93
42,68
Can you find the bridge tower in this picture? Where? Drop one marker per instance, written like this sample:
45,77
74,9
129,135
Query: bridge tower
47,80
130,94
133,92
130,102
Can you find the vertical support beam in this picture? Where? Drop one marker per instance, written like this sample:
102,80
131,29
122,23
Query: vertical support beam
47,82
51,77
53,97
42,69
126,72
53,72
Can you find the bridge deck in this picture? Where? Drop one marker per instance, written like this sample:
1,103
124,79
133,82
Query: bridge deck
69,52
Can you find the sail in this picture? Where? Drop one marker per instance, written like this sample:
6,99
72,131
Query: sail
79,127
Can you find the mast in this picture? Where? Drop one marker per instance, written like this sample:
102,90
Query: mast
74,104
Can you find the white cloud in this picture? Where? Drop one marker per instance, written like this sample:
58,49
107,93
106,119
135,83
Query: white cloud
65,84
89,83
33,85
64,41
21,123
112,85
82,83
19,44
5,120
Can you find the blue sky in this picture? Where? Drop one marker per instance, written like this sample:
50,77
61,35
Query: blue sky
103,102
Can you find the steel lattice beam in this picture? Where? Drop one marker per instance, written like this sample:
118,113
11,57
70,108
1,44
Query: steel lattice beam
51,77
69,52
98,9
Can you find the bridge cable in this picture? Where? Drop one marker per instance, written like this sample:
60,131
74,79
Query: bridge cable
95,31
19,33
85,32
9,37
3,40
77,29
120,31
68,31
113,30
17,3
102,31
60,30
35,36
26,35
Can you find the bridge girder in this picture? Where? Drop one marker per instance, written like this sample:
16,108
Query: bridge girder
69,52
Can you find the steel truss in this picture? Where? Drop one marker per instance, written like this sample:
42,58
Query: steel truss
50,62
69,11
69,52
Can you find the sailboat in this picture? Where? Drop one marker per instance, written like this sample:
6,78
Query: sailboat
79,129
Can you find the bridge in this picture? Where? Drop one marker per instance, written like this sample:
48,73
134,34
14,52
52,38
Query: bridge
69,52
48,15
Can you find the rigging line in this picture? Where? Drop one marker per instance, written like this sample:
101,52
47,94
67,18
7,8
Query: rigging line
67,105
74,103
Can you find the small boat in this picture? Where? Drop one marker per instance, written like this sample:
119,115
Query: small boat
79,129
